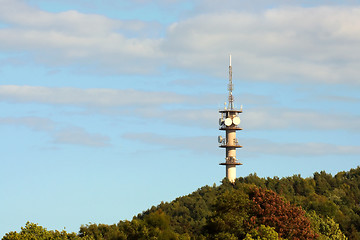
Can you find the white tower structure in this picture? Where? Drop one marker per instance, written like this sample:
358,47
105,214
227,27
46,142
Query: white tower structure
229,122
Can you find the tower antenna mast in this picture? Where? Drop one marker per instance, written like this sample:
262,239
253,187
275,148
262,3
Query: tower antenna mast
229,122
230,87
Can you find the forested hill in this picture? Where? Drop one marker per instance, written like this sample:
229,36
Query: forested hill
318,207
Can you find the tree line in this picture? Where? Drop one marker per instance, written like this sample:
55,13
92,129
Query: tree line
319,207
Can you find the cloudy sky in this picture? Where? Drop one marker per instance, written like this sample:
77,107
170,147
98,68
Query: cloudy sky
109,107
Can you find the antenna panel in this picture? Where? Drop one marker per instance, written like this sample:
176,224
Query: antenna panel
236,120
221,121
228,121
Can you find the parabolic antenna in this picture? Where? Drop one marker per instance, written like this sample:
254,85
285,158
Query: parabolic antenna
236,120
228,121
220,139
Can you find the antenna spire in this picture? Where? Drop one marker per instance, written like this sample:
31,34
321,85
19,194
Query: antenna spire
230,87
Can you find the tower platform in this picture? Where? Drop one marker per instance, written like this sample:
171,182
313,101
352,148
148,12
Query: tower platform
230,111
230,128
230,146
225,163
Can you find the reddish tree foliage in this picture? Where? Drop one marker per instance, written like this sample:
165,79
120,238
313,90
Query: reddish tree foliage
269,209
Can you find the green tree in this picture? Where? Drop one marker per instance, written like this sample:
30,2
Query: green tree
33,231
326,227
244,210
230,213
262,233
236,211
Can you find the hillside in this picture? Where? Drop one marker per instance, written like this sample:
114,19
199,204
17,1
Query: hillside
318,207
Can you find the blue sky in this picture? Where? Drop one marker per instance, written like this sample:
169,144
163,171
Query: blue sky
109,107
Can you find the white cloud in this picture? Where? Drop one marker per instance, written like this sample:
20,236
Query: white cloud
58,133
206,144
34,123
205,118
70,37
277,44
313,44
199,144
210,6
335,98
88,97
185,109
260,146
278,118
106,97
20,15
78,136
271,118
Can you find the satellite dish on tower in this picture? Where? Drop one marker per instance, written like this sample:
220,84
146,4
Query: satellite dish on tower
220,139
228,121
236,120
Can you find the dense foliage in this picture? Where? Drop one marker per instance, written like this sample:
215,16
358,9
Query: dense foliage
332,197
319,207
238,214
32,231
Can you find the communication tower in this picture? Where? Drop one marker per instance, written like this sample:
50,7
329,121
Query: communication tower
229,122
